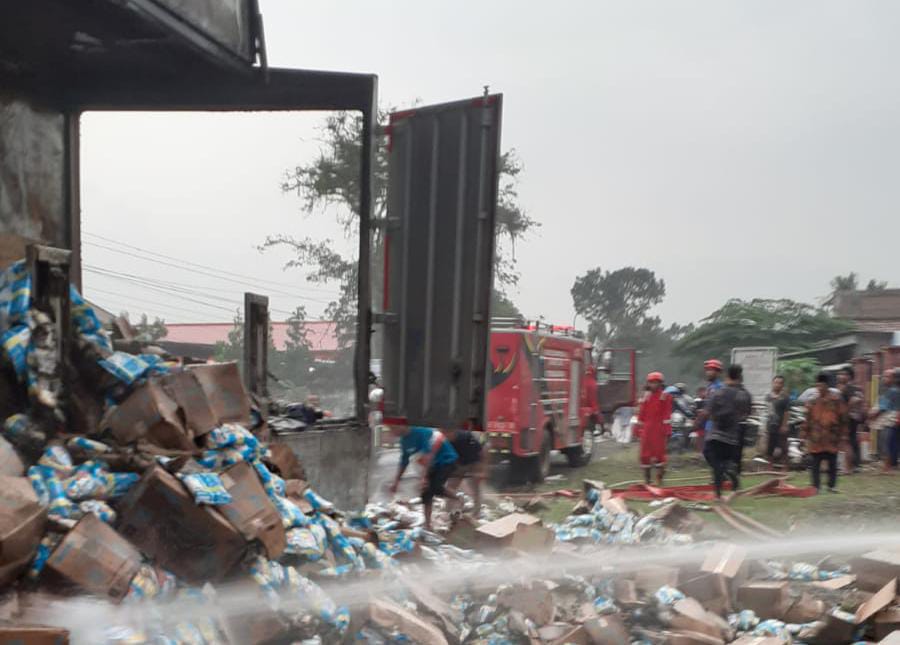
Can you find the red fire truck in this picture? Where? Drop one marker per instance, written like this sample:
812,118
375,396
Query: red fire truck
544,395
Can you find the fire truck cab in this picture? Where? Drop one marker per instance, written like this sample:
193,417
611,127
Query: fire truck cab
542,396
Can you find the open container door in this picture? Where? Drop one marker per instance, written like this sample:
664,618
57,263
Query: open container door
438,262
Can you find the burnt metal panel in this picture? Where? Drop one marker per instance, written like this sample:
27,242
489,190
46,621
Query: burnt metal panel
256,344
439,247
71,41
33,178
228,22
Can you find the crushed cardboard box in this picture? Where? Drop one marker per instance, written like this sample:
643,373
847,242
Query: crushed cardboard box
389,615
500,533
22,521
768,599
194,542
96,559
251,511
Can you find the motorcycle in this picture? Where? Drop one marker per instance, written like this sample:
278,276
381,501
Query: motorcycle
684,412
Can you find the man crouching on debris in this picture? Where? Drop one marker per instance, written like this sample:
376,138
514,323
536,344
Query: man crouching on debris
471,465
654,427
438,459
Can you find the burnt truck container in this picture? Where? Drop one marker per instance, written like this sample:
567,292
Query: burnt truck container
60,58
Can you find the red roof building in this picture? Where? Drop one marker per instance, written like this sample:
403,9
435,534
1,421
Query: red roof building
322,335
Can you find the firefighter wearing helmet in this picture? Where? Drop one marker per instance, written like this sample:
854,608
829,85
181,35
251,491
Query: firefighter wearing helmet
654,425
713,371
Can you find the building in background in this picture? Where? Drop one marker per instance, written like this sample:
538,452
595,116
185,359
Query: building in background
203,337
876,325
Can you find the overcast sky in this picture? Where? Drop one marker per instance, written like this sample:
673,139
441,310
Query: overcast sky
737,149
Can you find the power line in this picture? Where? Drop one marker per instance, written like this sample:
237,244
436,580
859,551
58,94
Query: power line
196,264
164,291
173,289
211,275
168,306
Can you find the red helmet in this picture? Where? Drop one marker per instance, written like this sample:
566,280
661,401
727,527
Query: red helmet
713,364
656,376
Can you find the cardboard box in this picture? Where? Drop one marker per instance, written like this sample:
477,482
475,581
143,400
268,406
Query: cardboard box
881,600
96,558
22,521
890,639
534,602
533,538
196,543
283,460
388,615
806,609
875,569
577,635
607,630
500,532
149,413
689,615
10,463
625,592
251,511
691,638
725,559
711,590
676,517
835,583
224,389
768,599
887,622
836,630
33,635
651,578
184,389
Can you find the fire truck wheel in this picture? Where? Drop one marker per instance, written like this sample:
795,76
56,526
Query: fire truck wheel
542,461
581,455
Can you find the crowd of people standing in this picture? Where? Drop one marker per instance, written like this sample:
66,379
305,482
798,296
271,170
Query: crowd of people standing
832,419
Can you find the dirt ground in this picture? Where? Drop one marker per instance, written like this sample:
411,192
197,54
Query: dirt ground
866,501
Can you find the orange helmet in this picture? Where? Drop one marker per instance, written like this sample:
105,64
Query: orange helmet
655,376
713,364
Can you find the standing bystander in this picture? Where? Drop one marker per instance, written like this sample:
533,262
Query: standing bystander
778,404
825,431
728,408
856,414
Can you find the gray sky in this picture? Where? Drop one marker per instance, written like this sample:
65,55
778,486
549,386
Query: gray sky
738,149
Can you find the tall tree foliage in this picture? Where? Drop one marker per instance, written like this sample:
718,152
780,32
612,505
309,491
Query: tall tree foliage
618,302
785,324
330,184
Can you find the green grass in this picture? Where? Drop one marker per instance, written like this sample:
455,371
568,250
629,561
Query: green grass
867,500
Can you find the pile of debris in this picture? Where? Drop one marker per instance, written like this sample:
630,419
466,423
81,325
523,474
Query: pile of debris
134,479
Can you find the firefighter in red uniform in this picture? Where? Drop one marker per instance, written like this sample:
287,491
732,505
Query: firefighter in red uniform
654,427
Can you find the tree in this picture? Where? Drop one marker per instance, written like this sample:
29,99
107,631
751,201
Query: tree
503,307
799,373
840,284
788,325
614,302
330,183
233,348
875,286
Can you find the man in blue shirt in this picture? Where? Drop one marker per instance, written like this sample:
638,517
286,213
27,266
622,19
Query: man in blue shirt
713,370
438,459
889,406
